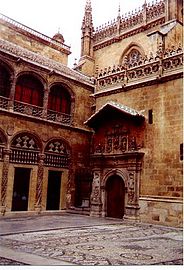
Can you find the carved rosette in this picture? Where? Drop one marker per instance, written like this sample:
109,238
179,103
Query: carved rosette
39,186
6,158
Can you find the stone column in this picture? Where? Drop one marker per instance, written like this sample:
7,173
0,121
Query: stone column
12,93
4,182
96,204
45,102
39,186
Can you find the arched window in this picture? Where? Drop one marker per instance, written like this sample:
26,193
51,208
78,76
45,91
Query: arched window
57,154
24,149
59,99
29,90
4,82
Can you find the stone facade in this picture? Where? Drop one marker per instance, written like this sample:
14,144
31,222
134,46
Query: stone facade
114,144
138,63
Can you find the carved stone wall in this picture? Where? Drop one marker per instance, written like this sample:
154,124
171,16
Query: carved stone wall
127,166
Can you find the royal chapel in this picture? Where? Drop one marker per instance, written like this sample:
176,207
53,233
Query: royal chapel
105,137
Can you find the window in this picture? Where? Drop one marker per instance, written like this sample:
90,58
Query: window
134,56
150,116
181,151
29,90
59,100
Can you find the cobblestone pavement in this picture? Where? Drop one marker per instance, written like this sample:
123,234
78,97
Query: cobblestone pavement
87,241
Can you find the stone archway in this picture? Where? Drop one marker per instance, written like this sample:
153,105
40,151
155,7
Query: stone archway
115,197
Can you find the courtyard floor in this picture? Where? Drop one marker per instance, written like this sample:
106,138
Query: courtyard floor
67,239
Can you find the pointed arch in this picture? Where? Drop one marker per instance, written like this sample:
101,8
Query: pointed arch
133,54
122,173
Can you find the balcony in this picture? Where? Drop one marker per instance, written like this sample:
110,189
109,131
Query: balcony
33,111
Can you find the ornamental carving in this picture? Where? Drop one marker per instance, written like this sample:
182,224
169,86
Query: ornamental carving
39,185
57,154
24,149
148,16
131,188
6,153
164,61
95,195
117,140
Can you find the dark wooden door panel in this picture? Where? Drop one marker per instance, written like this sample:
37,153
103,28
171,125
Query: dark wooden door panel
115,197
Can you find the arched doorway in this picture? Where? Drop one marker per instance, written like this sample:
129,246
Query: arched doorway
115,189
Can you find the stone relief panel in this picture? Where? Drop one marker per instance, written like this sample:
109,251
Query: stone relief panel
95,195
131,188
117,139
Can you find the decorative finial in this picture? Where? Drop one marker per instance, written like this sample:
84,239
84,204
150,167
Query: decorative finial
119,11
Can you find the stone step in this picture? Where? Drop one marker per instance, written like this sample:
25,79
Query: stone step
79,210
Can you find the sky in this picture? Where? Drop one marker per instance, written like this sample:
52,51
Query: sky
49,16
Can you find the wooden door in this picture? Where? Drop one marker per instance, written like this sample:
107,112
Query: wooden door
115,196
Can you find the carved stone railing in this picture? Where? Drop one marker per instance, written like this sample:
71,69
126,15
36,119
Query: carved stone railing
148,68
59,117
28,109
144,16
55,160
4,102
24,156
33,32
35,111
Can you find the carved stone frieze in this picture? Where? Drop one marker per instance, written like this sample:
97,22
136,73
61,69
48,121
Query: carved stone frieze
95,195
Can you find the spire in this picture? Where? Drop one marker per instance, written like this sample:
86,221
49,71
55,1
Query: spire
87,20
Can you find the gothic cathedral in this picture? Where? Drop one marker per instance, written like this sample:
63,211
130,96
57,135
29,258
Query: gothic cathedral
103,138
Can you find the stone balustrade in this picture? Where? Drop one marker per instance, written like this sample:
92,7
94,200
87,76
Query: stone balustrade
35,111
158,66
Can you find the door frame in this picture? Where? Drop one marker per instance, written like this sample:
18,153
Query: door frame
60,192
29,187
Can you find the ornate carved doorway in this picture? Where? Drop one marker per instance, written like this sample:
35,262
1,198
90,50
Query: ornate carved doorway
21,189
53,190
115,189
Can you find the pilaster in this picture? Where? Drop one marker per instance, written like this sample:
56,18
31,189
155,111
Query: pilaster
39,186
4,182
